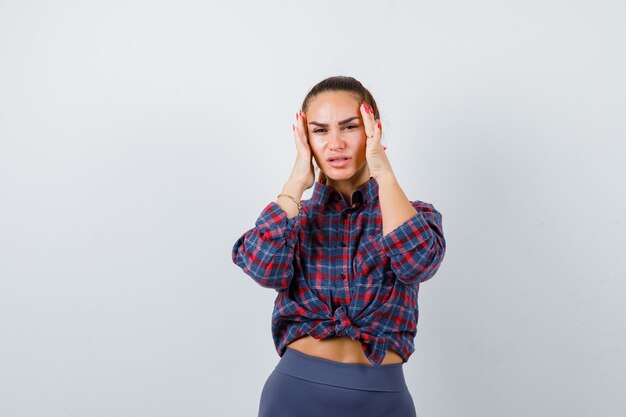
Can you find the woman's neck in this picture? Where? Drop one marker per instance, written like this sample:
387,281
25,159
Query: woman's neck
348,186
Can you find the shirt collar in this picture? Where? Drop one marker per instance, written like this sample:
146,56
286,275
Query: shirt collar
365,193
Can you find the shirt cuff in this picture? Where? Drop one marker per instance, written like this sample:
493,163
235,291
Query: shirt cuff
273,222
407,236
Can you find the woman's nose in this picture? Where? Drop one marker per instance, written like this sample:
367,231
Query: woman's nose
336,141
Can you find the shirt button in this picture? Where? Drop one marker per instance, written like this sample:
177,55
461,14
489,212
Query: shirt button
343,244
342,276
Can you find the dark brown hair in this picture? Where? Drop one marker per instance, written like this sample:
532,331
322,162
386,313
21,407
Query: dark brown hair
340,83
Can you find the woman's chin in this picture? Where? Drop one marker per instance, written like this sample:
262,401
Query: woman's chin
343,173
339,173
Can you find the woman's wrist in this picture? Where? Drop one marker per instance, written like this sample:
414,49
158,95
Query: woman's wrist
294,190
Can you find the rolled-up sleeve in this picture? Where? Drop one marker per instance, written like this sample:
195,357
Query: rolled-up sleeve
266,251
416,248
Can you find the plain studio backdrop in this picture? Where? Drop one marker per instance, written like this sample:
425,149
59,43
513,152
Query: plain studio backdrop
140,139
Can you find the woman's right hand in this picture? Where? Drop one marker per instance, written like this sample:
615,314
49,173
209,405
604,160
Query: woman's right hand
303,172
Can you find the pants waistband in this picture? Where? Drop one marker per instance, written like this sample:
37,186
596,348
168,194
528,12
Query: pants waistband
388,377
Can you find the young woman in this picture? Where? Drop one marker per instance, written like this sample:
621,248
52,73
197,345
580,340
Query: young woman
346,263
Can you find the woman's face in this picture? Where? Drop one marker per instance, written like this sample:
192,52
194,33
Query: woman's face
335,129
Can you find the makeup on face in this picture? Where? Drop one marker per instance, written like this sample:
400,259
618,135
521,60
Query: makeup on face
341,123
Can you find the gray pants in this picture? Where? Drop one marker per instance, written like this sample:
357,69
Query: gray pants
302,385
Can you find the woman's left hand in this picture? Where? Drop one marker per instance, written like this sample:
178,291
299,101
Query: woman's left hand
377,161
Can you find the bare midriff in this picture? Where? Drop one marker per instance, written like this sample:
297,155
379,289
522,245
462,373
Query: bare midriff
339,349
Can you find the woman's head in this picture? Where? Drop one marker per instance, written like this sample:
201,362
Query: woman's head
335,128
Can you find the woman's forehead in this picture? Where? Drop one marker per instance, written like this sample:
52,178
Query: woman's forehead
333,100
333,109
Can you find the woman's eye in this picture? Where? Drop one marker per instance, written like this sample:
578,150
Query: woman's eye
321,130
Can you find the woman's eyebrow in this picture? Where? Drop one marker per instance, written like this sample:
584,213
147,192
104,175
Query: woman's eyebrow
343,122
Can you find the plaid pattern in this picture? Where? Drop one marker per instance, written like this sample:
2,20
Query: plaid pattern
337,275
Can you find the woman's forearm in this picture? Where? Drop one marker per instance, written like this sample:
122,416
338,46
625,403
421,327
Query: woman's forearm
395,207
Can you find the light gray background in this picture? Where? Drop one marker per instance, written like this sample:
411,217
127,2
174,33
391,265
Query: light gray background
140,139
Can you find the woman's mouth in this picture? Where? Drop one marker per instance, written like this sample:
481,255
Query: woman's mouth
339,162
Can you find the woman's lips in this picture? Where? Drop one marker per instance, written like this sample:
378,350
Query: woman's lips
339,163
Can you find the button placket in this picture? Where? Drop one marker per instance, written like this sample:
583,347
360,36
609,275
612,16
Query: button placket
343,281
